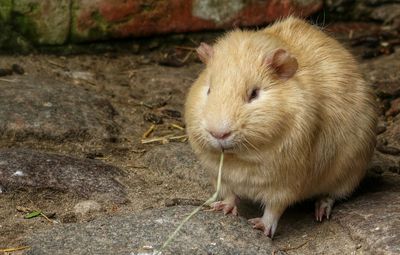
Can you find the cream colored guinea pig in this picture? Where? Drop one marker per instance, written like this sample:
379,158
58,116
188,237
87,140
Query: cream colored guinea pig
289,108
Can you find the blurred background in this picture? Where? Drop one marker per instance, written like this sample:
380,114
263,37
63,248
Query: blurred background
26,25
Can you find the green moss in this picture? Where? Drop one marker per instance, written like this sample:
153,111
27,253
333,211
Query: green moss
26,26
148,6
99,31
26,7
12,42
5,9
23,20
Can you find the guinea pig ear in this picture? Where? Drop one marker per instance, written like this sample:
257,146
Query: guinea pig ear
205,52
284,64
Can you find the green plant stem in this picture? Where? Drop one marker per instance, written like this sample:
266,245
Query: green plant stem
212,199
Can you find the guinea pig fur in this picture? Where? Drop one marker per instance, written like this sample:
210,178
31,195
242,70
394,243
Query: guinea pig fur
292,113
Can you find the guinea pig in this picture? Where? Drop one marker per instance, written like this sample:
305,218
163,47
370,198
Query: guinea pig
292,113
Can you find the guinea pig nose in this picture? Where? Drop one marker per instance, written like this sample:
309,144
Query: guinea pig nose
220,135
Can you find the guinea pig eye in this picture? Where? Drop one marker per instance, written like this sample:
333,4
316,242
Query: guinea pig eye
208,91
254,94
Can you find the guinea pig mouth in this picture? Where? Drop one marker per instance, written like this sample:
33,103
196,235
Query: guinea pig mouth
223,146
227,148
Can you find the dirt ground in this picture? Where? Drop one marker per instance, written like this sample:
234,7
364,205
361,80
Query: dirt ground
149,81
136,85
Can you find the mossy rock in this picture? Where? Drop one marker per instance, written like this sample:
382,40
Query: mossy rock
12,42
43,22
5,9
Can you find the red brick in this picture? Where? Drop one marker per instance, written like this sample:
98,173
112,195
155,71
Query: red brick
104,19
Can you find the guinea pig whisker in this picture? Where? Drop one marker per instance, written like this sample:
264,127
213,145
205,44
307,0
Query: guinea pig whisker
200,140
252,145
246,147
255,149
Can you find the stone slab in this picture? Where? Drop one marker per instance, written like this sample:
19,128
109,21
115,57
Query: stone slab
374,217
52,110
28,170
177,159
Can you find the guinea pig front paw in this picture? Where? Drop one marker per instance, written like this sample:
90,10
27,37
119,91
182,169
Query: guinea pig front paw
228,205
225,206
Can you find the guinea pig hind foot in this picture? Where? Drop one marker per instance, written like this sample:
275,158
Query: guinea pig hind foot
268,222
323,207
268,229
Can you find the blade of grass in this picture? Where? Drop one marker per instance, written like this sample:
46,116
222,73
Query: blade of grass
32,214
212,199
15,249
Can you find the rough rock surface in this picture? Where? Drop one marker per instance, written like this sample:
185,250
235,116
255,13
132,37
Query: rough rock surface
379,71
205,233
374,217
47,110
86,207
28,170
175,158
368,222
386,11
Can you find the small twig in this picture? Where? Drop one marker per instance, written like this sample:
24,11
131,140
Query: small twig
15,249
194,41
290,248
7,80
155,139
177,126
141,103
163,139
149,131
186,57
139,151
351,33
185,48
55,63
85,80
47,218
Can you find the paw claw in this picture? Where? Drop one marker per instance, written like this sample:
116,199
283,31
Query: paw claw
259,224
323,207
235,211
268,233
